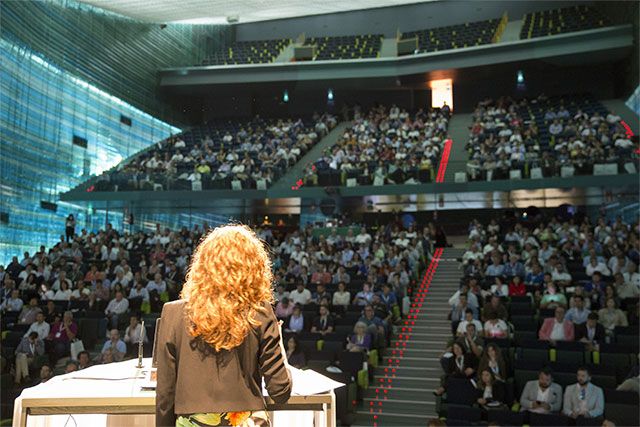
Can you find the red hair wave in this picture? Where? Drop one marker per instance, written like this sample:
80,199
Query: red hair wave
229,280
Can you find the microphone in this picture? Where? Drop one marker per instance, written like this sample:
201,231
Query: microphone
140,345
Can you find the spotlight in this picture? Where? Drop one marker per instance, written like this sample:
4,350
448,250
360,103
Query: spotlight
330,95
285,96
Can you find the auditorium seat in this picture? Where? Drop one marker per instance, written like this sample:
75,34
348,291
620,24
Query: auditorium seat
506,418
536,419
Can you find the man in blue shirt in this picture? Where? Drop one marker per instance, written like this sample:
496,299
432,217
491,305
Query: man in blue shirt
388,297
115,346
535,277
578,314
495,269
514,267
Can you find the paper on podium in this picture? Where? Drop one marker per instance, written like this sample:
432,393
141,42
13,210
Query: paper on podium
308,382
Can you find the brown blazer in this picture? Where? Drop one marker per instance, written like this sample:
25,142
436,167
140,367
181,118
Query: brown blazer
194,378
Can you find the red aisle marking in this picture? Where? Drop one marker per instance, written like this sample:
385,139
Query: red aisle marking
444,160
405,337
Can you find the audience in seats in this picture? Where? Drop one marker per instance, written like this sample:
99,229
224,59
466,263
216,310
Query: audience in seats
554,316
230,154
549,137
386,145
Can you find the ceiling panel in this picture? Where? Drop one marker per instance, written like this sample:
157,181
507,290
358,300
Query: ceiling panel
217,11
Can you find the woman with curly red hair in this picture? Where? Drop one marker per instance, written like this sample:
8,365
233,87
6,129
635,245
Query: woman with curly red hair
217,343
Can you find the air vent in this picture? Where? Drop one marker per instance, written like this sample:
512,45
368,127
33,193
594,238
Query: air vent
53,207
80,141
125,120
4,217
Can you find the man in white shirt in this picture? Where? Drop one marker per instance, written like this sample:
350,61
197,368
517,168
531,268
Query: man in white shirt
41,327
301,295
363,237
468,318
117,306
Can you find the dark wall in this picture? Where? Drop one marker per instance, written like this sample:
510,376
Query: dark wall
540,77
389,19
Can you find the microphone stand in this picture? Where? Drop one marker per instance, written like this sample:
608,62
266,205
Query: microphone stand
140,344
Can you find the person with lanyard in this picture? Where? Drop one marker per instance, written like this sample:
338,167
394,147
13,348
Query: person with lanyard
493,360
583,399
456,364
28,350
61,335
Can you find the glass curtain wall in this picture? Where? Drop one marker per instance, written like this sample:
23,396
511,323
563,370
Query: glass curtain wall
56,131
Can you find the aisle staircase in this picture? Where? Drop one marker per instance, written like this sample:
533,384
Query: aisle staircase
459,133
411,363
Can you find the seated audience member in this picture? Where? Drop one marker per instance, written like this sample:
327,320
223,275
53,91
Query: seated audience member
320,294
457,364
116,308
495,309
471,341
341,297
301,295
499,288
295,323
583,399
557,328
132,335
27,352
517,288
472,300
591,332
578,313
295,355
139,291
41,327
610,316
64,293
323,323
542,395
579,291
493,360
631,381
84,360
468,318
280,293
625,289
360,340
495,328
29,312
459,310
13,302
71,366
115,347
375,325
388,297
596,265
284,308
46,373
552,298
364,296
61,335
491,392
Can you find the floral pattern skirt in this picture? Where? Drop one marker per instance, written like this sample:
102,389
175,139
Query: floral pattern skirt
239,419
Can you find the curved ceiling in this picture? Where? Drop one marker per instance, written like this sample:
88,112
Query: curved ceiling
217,11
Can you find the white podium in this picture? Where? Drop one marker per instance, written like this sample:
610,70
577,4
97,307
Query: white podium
112,395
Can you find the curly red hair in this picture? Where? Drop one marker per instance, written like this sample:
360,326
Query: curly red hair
229,280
